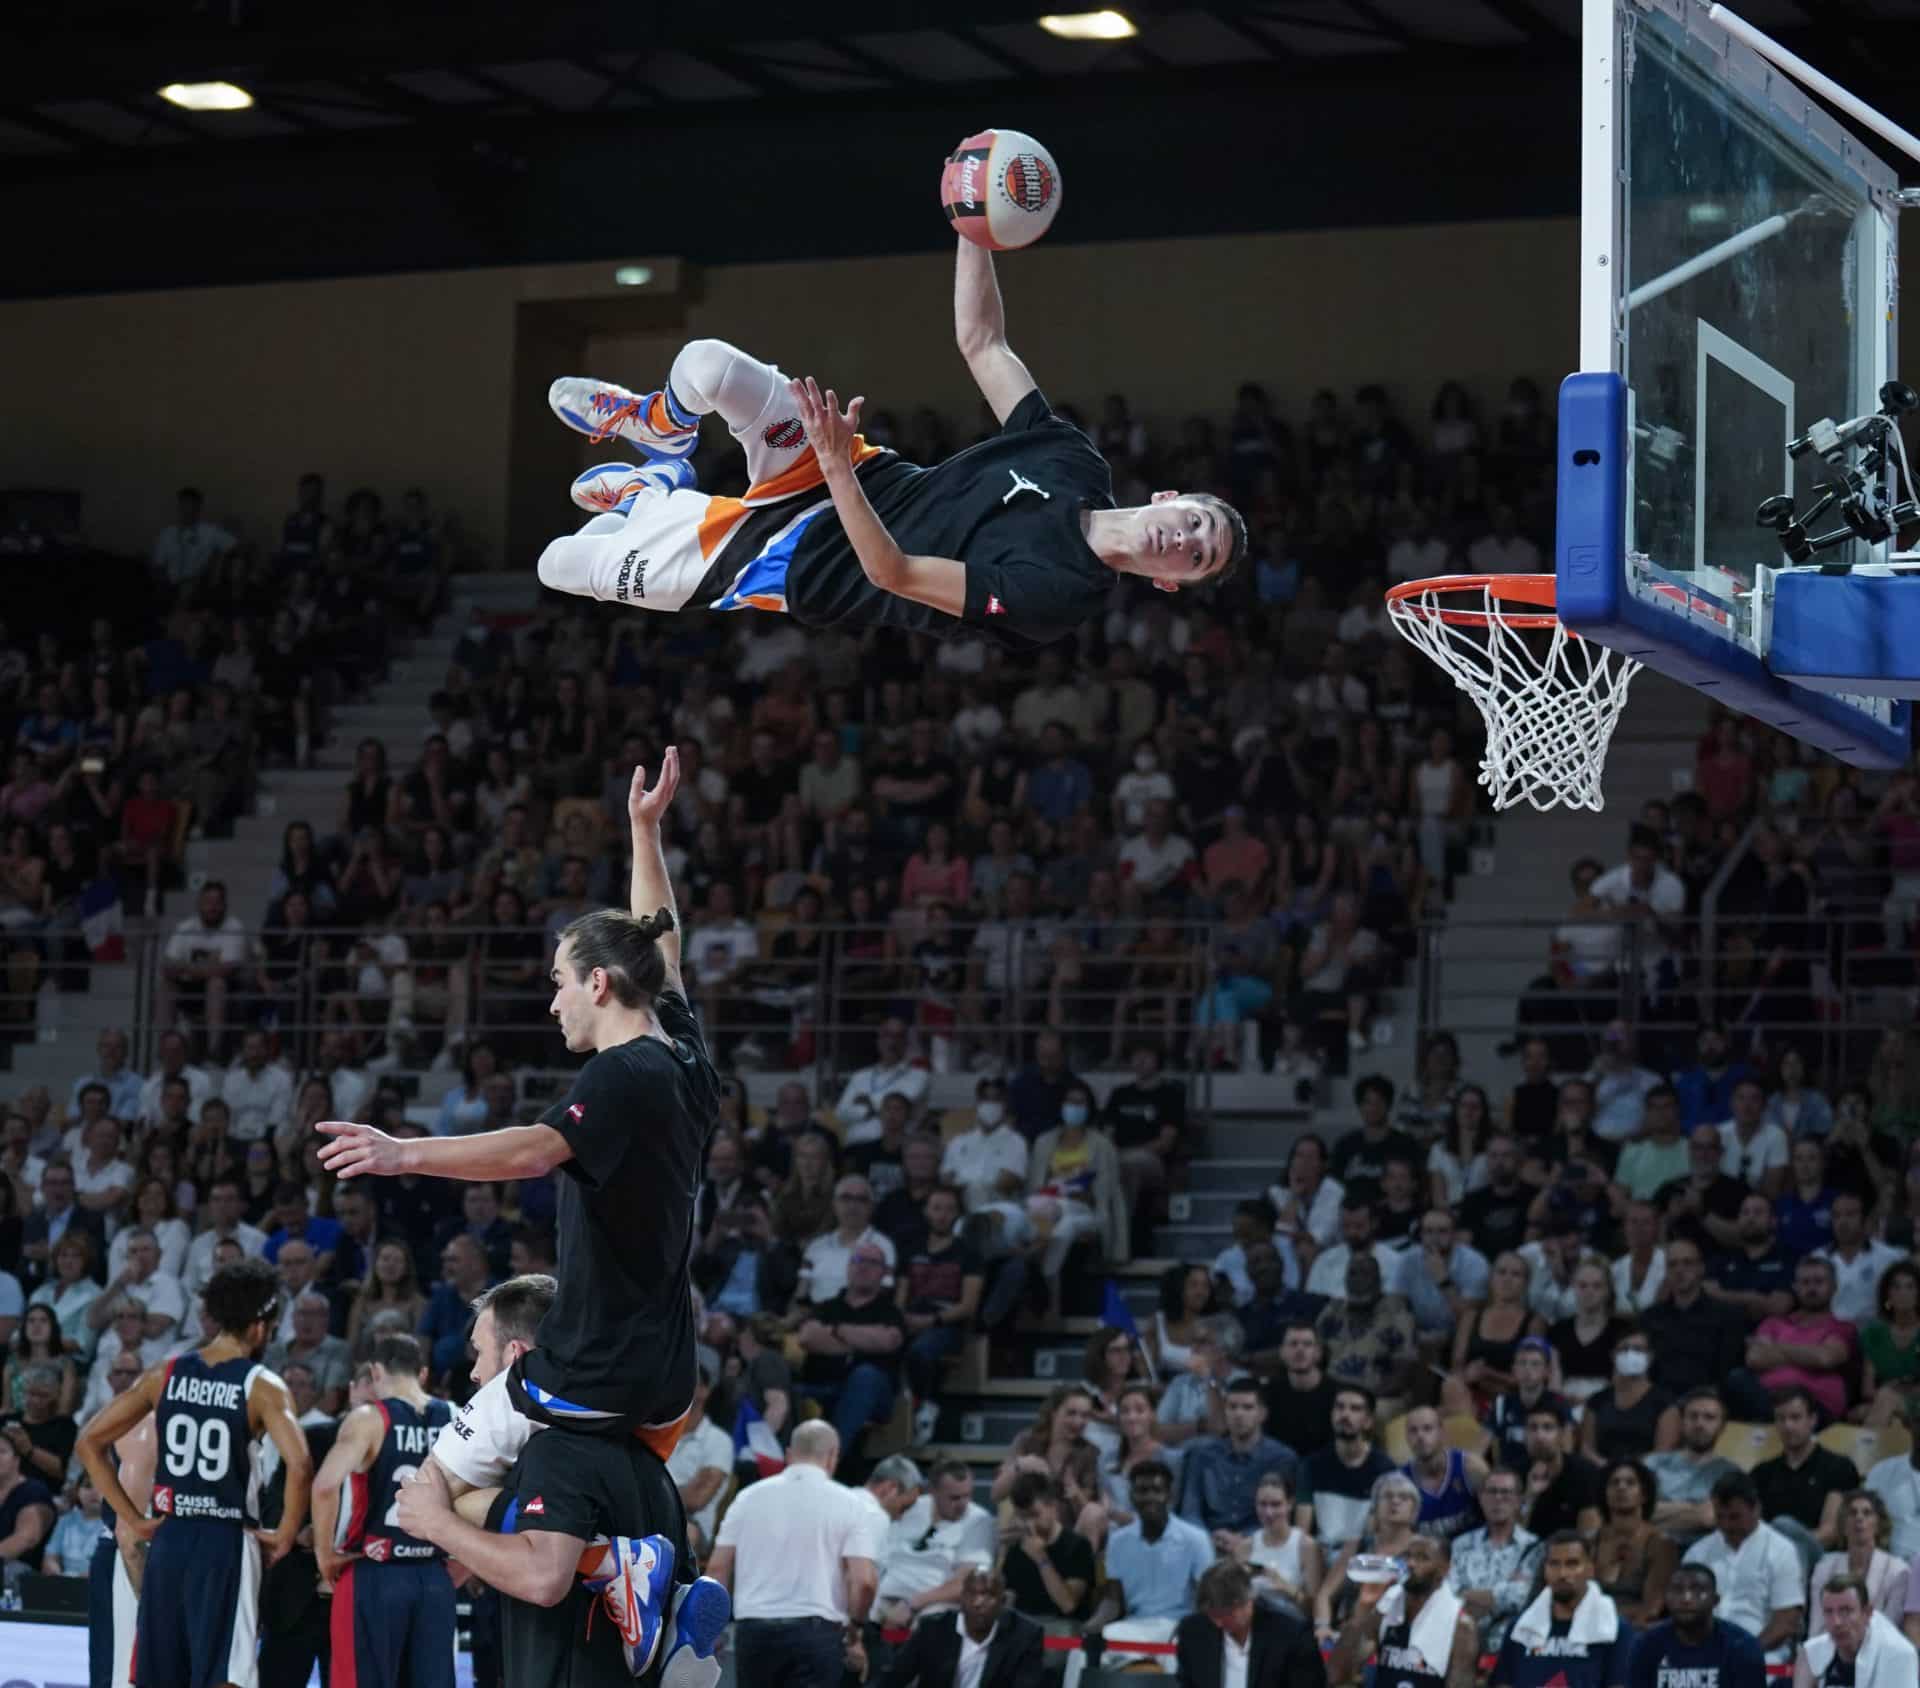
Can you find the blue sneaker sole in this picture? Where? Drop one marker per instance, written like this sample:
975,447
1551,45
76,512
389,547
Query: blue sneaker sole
703,1612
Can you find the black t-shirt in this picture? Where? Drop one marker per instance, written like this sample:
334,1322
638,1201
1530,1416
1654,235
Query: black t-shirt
880,1164
1694,1347
1722,1199
1839,1673
1802,1494
937,1275
1497,1223
1009,508
1137,1113
54,1435
1302,1418
584,1486
1578,1486
1536,1105
1741,1273
834,1368
30,1491
1360,1164
1070,1555
619,1335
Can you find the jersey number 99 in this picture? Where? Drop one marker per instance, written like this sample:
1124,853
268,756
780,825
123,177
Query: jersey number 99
202,1447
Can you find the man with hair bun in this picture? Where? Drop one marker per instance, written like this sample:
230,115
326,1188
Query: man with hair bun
615,1362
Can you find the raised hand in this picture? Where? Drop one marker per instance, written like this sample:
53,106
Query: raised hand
829,431
647,809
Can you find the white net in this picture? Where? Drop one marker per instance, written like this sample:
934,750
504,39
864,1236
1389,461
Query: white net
1550,699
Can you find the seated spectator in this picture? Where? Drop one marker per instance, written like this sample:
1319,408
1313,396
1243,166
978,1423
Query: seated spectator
1307,1203
1112,1359
1189,1304
153,1210
26,1517
1686,1474
464,1275
1334,1488
1809,1348
1621,1086
1359,1222
1391,1526
1641,1272
479,1219
124,1085
1632,1558
1866,1530
1858,1640
1448,1479
1049,1569
327,1358
1153,1564
1457,1161
1495,1567
1750,1149
1284,1560
1055,1446
1253,1225
1896,1480
1697,1339
1369,1335
1300,1393
880,1159
258,1093
1803,1211
202,964
1338,974
1073,1190
1705,1205
69,1551
1398,1207
1584,1342
1796,1107
940,1286
173,1064
1146,1119
293,1222
1706,1088
1140,1441
934,1548
1658,1156
1360,1157
1563,1490
71,1289
987,1162
464,1107
702,1462
1755,1277
1494,1217
853,1342
1220,1474
1442,1279
124,1337
826,1265
1632,1416
1802,1485
858,1109
40,1427
1532,1366
389,1291
102,1174
38,1342
1572,1633
1758,1571
162,1302
1890,1343
1859,1264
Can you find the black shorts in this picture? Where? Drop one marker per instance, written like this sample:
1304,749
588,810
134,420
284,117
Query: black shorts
585,1486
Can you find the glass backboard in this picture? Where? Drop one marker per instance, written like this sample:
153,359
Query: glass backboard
1739,254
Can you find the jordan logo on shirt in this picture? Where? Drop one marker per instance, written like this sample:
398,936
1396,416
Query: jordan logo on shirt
1022,484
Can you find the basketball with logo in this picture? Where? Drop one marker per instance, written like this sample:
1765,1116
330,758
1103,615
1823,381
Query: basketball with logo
1000,189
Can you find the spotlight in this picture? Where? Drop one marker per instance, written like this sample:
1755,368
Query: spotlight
206,96
1089,26
632,275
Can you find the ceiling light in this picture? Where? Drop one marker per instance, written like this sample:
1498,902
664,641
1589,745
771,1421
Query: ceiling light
632,275
1089,26
206,96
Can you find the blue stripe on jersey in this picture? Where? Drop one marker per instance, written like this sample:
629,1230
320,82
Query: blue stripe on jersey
554,1404
766,575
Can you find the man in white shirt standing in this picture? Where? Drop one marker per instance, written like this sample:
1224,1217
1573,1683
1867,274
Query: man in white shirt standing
858,1109
1763,1588
226,1203
800,1555
258,1093
933,1547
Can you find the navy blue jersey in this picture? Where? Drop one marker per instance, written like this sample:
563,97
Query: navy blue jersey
206,1463
370,1526
1455,1508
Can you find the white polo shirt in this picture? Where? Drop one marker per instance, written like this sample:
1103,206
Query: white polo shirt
789,1534
1856,1283
923,1551
975,1159
823,1268
1757,1579
259,1103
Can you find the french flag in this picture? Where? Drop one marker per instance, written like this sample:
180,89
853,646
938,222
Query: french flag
754,1439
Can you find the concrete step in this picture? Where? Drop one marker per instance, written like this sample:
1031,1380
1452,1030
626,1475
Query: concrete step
1238,1178
1191,1242
1269,1140
1209,1207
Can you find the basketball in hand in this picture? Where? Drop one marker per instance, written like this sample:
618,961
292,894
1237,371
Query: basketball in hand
1000,189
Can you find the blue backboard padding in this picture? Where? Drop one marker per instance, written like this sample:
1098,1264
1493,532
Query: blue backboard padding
1590,550
1861,632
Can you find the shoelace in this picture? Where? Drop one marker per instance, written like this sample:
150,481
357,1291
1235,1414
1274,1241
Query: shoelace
625,410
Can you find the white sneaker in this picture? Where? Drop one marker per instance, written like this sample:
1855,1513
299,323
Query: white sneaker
615,486
653,421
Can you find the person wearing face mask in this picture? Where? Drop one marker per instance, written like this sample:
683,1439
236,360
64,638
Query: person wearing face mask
1143,782
1074,1189
987,1163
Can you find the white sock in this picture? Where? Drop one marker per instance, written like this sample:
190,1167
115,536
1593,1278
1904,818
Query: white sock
710,375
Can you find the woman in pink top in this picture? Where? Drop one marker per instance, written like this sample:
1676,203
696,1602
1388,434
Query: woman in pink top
933,874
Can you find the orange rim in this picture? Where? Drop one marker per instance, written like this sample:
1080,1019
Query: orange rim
1534,589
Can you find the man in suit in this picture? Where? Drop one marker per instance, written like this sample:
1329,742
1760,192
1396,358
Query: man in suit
58,1214
984,1645
1275,1651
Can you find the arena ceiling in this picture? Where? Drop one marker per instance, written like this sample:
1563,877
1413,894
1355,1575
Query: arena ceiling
79,78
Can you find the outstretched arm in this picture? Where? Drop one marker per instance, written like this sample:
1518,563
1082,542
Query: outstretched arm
939,582
514,1151
980,328
652,890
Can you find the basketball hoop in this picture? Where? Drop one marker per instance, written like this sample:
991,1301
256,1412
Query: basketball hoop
1550,699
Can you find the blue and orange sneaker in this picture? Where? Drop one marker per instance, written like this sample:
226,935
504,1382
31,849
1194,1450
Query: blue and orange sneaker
634,1580
615,486
656,422
701,1610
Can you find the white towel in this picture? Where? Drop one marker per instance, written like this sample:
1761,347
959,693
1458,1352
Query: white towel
1432,1633
1595,1620
1886,1658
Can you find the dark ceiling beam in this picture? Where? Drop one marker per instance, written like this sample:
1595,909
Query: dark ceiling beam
626,81
1249,32
969,36
159,114
1384,23
81,140
753,73
872,63
506,92
1532,25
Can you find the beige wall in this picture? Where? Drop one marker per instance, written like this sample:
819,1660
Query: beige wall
396,379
